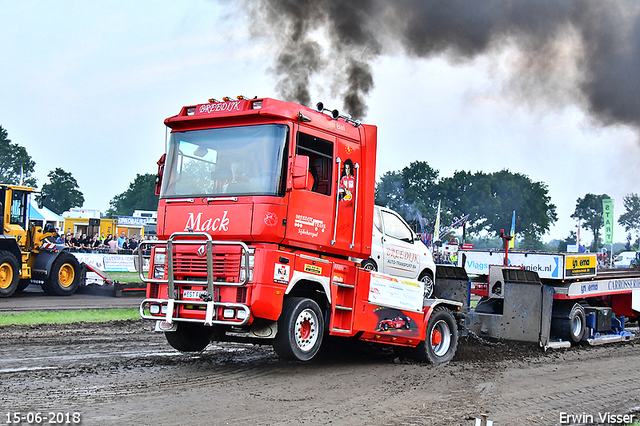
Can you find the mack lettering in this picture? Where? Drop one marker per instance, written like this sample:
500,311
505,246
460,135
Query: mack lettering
210,224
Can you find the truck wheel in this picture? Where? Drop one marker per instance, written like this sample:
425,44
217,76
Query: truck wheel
64,277
427,279
441,339
569,323
9,273
300,330
189,337
369,265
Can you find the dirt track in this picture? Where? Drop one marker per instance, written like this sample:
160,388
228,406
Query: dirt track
123,373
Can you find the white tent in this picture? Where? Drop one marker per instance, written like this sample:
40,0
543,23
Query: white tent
43,214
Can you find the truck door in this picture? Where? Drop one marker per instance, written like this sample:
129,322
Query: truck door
400,255
311,209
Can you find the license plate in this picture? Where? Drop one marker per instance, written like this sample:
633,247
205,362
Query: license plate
192,294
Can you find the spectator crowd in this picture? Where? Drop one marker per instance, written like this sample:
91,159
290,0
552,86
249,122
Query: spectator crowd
112,244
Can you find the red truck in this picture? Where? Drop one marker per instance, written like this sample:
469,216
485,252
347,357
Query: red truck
265,215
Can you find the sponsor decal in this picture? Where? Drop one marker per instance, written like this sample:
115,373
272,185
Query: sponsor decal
313,269
394,292
281,273
219,107
270,219
402,259
303,223
211,224
580,265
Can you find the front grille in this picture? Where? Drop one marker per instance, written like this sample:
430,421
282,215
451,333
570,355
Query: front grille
225,264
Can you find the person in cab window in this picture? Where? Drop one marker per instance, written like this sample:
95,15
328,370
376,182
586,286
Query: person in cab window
347,181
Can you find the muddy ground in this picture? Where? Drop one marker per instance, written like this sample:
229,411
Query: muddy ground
123,373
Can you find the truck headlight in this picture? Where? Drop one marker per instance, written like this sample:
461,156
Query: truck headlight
160,256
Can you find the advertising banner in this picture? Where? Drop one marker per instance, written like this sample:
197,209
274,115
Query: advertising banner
394,292
607,217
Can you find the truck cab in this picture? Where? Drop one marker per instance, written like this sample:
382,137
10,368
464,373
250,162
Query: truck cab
396,250
266,208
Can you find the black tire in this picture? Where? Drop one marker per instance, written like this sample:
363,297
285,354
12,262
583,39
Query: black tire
9,273
370,265
189,337
441,339
300,330
22,284
385,326
427,278
569,323
64,276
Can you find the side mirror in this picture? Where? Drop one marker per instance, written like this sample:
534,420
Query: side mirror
160,173
300,172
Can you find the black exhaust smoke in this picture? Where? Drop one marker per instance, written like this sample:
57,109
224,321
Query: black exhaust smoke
552,53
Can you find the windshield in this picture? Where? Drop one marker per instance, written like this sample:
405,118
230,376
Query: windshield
246,160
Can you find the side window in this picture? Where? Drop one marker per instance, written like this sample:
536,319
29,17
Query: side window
376,219
18,204
320,153
2,213
395,227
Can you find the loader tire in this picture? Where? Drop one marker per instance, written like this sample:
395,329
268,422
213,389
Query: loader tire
441,340
9,273
189,337
64,276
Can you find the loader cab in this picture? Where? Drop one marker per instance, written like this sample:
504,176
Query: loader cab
14,212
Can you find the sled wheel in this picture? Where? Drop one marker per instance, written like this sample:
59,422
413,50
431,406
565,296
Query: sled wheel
570,325
189,337
427,279
300,330
9,274
64,276
369,265
441,339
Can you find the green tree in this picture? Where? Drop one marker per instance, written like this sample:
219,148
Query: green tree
630,219
409,191
491,199
141,195
62,192
15,160
589,211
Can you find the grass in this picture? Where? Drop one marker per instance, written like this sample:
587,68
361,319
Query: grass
125,277
65,317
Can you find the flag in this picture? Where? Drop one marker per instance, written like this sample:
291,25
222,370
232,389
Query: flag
607,216
512,241
436,229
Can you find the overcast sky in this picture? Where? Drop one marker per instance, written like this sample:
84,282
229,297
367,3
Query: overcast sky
85,86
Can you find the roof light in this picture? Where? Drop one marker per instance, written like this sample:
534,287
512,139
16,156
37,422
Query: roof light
191,111
256,105
226,98
213,100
